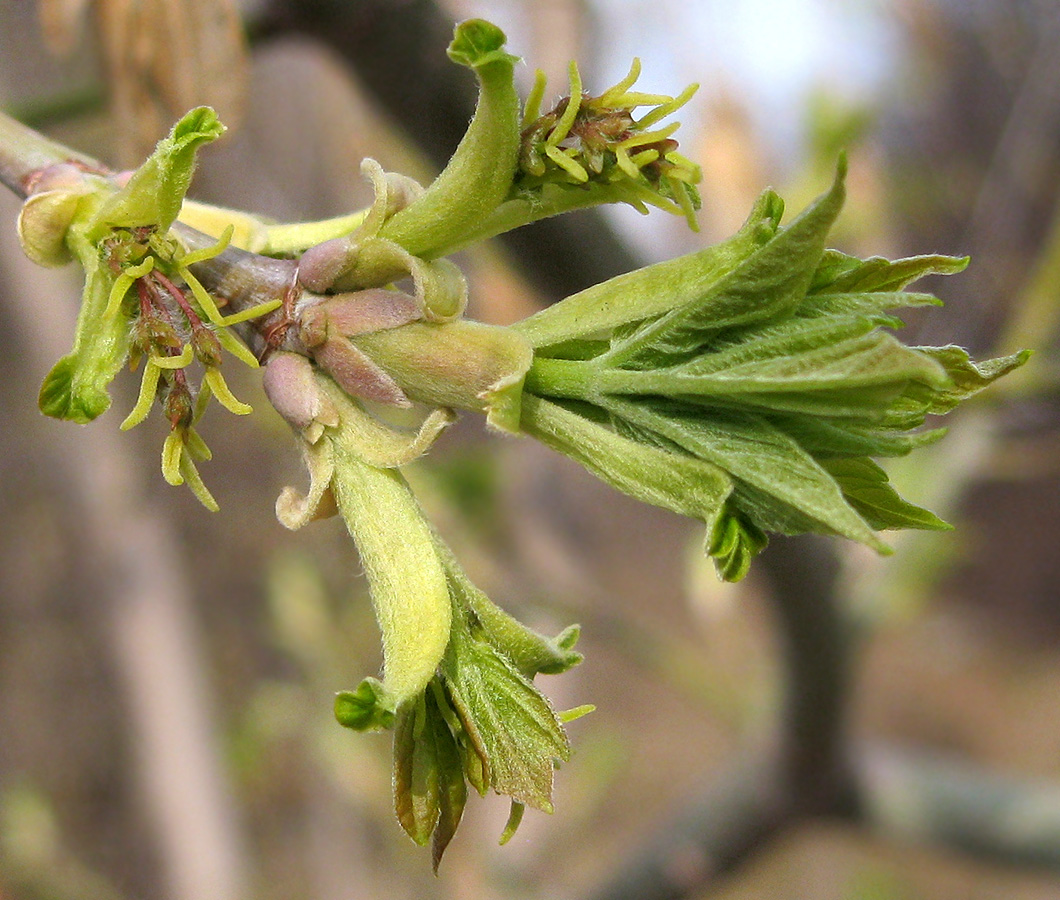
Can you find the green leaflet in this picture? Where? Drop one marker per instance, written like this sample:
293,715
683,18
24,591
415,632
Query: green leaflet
750,349
429,786
650,292
966,377
824,437
733,543
850,378
840,273
792,484
668,478
866,304
868,490
510,725
458,687
768,285
528,651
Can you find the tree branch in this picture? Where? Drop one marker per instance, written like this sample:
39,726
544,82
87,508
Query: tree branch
25,152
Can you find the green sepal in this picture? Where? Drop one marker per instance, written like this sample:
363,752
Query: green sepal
155,192
368,708
652,291
868,490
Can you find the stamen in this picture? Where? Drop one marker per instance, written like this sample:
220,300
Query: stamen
195,445
122,284
205,253
236,347
148,390
172,451
649,137
532,109
565,122
564,161
667,106
225,397
179,361
617,91
195,482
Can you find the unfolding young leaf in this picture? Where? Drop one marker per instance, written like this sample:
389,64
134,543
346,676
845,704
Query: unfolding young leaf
839,273
867,488
652,291
769,284
514,728
792,485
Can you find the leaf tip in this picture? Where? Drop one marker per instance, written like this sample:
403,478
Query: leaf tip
477,42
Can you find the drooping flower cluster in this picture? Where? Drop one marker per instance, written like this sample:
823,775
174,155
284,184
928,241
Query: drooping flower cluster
141,300
585,139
